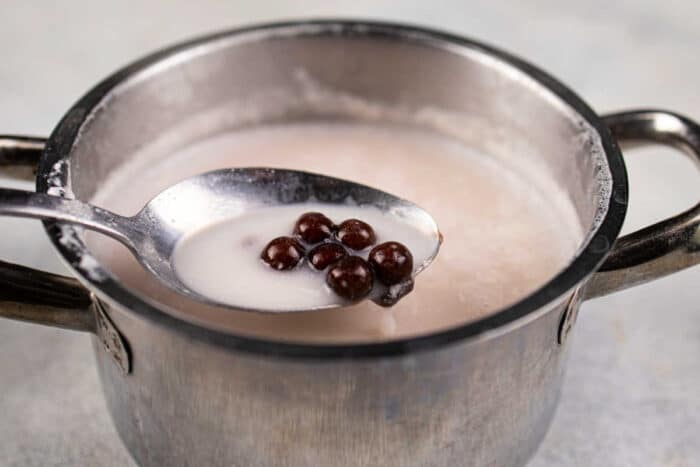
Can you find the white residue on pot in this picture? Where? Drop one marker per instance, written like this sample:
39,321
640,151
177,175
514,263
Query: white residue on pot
55,180
68,238
92,269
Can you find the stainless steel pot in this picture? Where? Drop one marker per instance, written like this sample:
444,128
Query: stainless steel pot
184,390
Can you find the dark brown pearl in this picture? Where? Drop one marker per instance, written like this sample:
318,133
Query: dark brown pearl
351,278
283,253
313,227
392,262
322,256
356,234
394,293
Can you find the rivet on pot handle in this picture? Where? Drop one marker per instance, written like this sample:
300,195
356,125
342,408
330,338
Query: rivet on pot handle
665,247
40,297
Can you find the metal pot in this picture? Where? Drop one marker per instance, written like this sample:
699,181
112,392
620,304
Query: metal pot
183,390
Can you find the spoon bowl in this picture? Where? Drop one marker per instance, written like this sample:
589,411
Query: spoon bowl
152,234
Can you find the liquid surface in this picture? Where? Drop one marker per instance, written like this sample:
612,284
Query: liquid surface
222,262
504,235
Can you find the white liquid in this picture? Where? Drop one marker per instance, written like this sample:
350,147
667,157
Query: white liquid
222,262
505,235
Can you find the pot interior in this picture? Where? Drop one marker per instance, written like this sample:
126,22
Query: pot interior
301,75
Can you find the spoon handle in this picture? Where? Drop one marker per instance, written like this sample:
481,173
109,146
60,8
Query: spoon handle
20,203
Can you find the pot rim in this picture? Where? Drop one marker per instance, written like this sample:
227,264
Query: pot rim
108,288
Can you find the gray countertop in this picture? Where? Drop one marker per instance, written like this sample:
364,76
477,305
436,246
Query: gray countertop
632,391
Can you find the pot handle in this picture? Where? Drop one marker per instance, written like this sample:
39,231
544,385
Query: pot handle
28,294
41,297
667,246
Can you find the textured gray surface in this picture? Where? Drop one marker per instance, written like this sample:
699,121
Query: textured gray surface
632,392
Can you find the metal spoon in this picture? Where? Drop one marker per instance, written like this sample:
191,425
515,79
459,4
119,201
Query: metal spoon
204,199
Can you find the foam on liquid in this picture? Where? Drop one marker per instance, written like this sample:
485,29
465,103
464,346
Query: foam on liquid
504,235
222,261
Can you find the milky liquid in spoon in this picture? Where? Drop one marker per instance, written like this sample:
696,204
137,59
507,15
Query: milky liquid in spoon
222,261
506,234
